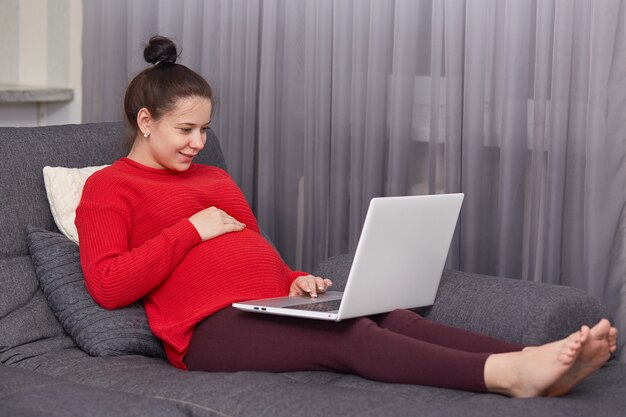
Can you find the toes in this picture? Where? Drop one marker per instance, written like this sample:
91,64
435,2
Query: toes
585,331
572,347
601,330
572,351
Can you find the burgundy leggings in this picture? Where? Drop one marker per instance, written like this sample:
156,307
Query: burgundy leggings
400,347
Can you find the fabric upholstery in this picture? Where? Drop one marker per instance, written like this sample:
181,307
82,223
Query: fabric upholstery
27,326
97,331
24,394
534,313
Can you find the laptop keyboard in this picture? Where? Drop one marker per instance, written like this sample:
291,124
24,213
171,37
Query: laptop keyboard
322,306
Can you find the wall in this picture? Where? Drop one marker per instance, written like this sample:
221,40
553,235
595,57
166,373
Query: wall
40,45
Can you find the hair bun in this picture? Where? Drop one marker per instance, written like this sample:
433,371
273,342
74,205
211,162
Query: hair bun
160,50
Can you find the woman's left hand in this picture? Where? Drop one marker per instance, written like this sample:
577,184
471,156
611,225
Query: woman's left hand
309,284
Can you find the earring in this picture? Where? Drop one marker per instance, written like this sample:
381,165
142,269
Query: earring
145,135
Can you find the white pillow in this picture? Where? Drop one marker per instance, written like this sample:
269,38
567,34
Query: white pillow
64,187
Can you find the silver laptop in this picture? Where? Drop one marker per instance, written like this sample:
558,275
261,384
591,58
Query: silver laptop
398,262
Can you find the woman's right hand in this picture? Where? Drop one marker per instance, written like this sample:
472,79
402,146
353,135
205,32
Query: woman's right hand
213,222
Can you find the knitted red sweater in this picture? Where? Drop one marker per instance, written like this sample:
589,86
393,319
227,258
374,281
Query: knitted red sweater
136,242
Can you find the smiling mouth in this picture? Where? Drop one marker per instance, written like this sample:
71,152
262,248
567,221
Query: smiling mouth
187,155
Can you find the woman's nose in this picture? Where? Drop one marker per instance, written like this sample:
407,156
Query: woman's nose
197,140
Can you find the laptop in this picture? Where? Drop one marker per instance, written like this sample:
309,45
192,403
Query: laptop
398,262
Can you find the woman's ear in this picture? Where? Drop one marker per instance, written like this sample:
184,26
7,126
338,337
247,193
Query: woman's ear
144,119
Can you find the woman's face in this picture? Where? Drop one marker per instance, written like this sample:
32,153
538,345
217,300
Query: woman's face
176,138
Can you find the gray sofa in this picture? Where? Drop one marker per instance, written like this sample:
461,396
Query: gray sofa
44,373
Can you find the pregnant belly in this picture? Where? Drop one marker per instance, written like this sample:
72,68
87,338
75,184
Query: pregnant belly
232,267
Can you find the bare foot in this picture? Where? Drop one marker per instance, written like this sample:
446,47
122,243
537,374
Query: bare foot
552,369
535,370
600,342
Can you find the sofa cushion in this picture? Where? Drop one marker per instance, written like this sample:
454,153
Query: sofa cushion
27,326
97,331
64,187
24,393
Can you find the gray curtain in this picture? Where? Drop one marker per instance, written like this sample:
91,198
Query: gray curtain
322,105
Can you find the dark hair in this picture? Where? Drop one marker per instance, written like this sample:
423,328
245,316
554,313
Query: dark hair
158,87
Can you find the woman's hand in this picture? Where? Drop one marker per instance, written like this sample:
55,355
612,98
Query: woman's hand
309,284
213,222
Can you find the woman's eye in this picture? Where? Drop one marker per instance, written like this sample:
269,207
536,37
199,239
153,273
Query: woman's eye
185,130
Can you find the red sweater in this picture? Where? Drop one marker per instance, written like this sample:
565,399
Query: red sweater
136,242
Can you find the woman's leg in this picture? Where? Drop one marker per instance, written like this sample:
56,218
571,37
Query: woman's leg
411,324
231,340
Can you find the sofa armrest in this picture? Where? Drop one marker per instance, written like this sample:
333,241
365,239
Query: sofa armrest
512,310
